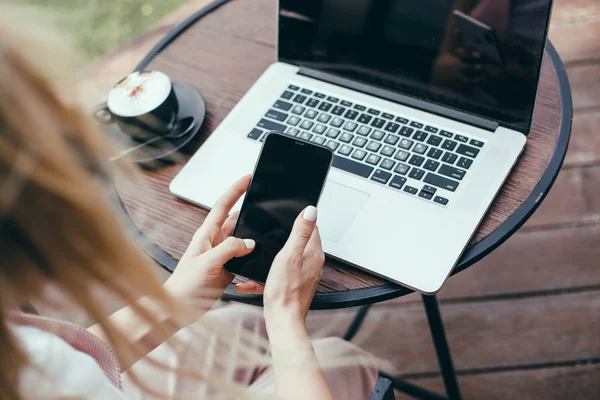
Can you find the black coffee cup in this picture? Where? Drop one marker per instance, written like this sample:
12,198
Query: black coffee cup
143,104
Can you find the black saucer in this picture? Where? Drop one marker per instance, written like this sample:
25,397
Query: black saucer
160,151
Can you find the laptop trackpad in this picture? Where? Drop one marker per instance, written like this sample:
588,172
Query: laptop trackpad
338,208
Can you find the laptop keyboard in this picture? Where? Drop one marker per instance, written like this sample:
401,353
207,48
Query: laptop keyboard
408,156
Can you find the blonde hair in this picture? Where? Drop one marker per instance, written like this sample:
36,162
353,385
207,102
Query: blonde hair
57,224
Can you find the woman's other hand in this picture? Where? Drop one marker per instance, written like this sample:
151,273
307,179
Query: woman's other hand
200,272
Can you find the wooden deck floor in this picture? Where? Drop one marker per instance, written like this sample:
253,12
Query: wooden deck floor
525,322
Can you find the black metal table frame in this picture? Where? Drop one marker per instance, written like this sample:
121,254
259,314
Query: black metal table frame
367,296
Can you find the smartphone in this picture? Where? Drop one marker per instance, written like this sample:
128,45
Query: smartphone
478,36
288,177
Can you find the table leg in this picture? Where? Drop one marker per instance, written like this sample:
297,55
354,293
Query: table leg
442,350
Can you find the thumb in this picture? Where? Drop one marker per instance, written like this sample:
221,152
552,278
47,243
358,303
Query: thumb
230,248
302,230
249,287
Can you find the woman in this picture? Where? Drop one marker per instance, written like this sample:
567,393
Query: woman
64,247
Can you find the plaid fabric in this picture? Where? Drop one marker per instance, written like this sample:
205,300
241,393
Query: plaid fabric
80,339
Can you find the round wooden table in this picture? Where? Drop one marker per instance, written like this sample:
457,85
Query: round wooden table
222,56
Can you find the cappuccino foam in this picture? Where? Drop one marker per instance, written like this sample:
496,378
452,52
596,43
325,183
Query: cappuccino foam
139,93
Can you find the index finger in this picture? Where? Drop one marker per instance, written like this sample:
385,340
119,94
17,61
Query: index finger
222,207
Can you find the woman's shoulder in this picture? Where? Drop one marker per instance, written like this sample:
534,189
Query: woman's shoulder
57,369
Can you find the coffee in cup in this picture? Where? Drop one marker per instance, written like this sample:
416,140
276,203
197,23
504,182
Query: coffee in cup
143,104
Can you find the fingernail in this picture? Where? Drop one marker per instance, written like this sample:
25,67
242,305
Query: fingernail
310,213
249,243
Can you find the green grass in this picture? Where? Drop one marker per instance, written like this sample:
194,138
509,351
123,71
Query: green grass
101,26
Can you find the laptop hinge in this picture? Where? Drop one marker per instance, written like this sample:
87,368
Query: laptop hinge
402,99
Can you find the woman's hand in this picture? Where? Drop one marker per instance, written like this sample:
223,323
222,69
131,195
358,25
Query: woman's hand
200,272
294,275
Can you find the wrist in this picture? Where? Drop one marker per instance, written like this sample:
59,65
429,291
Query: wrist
285,324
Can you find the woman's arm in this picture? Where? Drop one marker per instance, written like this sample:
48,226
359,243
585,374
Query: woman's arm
199,277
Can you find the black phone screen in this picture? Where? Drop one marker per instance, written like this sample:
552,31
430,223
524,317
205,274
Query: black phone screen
288,177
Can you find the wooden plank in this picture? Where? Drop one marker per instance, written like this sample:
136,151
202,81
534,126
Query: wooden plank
529,262
488,333
586,46
584,147
578,382
585,85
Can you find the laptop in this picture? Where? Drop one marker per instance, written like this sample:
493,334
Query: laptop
426,106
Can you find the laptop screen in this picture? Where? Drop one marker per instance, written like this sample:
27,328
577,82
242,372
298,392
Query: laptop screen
477,56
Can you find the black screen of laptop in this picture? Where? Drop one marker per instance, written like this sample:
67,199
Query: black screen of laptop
477,56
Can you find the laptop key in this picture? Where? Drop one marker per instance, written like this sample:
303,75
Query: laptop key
451,172
319,95
446,134
293,87
255,133
467,151
420,148
292,132
318,139
440,182
276,115
325,106
440,200
282,105
299,98
270,125
425,195
305,136
431,165
431,129
293,120
406,144
319,129
401,169
434,140
332,145
306,124
461,138
387,116
333,99
364,118
464,162
449,158
381,176
397,182
416,173
359,107
416,124
475,142
351,114
337,110
345,150
359,142
391,139
373,111
434,153
373,146
377,135
352,166
306,91
333,133
350,126
346,103
346,137
324,118
287,95
449,144
310,114
312,103
420,136
392,127
388,151
401,120
416,160
406,131
298,110
373,159
359,154
402,155
337,122
363,130
378,123
387,164
410,189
